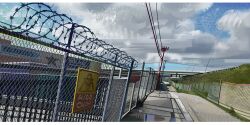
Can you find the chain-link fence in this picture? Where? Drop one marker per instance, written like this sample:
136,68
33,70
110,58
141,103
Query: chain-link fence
29,85
147,83
41,53
230,95
30,76
140,86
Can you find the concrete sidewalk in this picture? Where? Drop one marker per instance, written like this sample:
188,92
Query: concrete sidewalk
159,107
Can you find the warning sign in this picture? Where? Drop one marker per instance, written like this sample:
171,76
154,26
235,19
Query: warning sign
83,102
85,91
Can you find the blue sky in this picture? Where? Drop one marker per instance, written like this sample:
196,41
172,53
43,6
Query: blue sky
170,66
206,21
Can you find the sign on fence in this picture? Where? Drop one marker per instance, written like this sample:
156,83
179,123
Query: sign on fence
85,91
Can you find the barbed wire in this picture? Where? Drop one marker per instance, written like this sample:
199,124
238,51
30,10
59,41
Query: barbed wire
40,22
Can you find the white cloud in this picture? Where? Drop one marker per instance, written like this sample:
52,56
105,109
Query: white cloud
126,26
221,46
152,57
174,57
119,23
130,21
237,24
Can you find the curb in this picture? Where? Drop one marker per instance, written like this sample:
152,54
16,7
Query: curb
187,116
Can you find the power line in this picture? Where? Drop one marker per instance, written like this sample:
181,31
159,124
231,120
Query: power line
207,64
161,50
158,23
153,30
152,18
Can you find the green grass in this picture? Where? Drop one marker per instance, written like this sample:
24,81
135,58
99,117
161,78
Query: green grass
193,92
238,75
184,91
230,111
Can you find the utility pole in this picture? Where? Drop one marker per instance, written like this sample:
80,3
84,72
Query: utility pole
164,65
207,64
163,50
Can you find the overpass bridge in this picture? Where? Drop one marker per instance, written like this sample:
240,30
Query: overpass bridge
177,74
168,73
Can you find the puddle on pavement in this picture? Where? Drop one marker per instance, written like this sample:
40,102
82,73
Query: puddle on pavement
157,118
139,116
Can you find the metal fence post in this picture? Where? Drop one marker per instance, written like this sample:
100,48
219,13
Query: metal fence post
153,84
62,74
108,91
143,64
130,104
151,88
219,92
147,82
156,81
120,73
126,90
151,75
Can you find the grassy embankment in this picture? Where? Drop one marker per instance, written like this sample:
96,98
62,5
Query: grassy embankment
239,75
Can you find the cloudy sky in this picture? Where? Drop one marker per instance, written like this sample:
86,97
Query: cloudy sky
197,33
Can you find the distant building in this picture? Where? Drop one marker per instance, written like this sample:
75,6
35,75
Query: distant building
20,56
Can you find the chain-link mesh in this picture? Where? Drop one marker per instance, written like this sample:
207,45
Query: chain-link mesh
68,88
129,97
149,84
30,76
38,69
154,82
115,99
29,80
214,91
136,75
140,85
144,81
133,88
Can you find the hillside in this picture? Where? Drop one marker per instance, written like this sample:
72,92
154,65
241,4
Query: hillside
239,75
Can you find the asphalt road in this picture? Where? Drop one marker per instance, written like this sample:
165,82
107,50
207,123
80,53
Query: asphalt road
202,110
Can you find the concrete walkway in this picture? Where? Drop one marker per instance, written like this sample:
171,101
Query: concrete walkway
202,110
159,107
